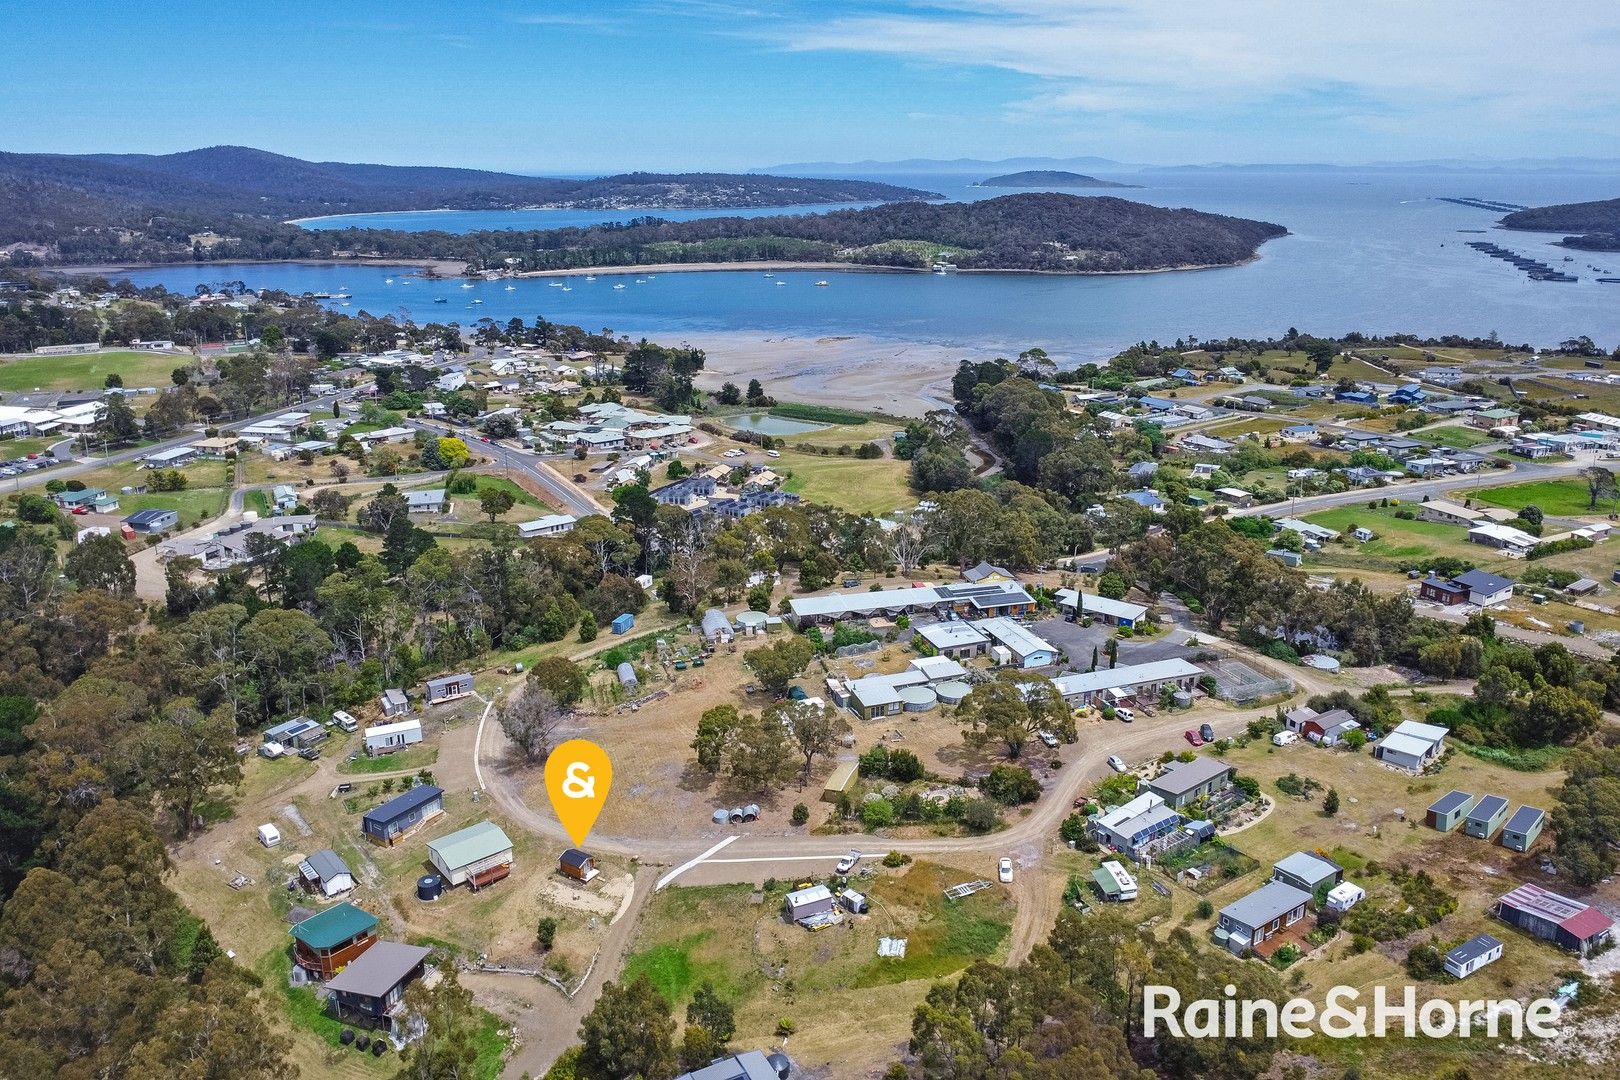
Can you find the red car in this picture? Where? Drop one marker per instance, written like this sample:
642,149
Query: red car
1193,737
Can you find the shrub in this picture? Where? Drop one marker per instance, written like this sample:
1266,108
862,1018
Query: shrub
1011,785
895,858
545,933
877,814
980,815
1073,829
801,814
1204,910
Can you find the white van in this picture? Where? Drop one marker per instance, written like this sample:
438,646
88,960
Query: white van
1124,714
269,835
1283,738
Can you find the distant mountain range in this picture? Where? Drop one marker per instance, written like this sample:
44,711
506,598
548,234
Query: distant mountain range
1049,178
954,165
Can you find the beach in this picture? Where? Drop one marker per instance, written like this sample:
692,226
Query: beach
902,378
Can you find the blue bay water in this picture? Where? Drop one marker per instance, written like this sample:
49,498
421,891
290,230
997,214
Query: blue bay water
1371,251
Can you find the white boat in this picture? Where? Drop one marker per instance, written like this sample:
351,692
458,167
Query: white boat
568,288
388,281
511,288
822,284
619,286
556,284
590,277
475,302
779,281
467,285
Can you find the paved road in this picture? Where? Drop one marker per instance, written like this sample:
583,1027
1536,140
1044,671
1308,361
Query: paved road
563,491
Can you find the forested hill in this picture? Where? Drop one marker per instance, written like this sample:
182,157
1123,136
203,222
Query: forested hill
89,205
1597,222
1048,178
1051,232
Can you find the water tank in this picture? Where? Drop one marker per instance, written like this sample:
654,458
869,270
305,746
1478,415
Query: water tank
952,693
429,886
751,812
917,698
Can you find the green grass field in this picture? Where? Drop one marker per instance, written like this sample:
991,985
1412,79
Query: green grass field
89,371
11,449
1459,438
1397,538
195,505
1560,498
874,486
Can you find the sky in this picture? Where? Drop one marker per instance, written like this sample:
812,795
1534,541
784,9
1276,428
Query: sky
581,86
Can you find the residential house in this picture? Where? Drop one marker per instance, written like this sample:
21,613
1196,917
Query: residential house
394,702
685,491
1298,431
283,498
1440,591
232,546
1408,394
985,571
431,501
325,874
1502,537
1286,557
1428,466
325,943
478,855
1145,498
172,458
1205,444
1307,871
402,815
1529,448
1131,828
1568,923
1486,817
1471,955
1356,397
877,696
1187,782
1317,534
1236,496
1142,471
1490,419
387,738
371,989
1485,589
1249,922
1329,728
1412,745
449,688
1523,828
1363,476
152,522
1448,513
298,733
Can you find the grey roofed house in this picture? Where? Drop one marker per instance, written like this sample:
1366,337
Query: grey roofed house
1180,784
1307,871
326,870
986,571
395,702
748,1065
1462,959
431,501
1143,470
1478,581
1271,901
378,970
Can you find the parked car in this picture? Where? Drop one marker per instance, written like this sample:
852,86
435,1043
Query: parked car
1126,715
1117,763
1207,732
1284,738
1004,870
1049,739
1192,736
310,753
773,453
850,860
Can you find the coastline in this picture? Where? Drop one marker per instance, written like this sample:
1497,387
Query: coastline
882,375
444,268
859,268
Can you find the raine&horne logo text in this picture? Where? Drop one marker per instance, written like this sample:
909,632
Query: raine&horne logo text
1344,1016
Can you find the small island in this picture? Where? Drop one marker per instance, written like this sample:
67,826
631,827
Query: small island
1050,178
1596,224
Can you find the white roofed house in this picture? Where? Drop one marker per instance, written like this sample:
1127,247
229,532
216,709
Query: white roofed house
1411,745
1112,685
1131,828
955,639
550,525
1027,649
1502,537
1075,603
431,501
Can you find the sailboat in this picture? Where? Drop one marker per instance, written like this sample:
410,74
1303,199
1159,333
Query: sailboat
388,281
511,288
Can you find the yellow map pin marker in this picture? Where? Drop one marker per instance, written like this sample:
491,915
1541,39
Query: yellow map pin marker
578,777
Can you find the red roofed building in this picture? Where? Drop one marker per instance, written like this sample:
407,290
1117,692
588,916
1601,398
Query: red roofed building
1552,917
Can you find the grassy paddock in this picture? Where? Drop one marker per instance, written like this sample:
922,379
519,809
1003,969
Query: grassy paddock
874,486
1560,498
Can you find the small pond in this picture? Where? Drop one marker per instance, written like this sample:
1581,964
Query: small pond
766,424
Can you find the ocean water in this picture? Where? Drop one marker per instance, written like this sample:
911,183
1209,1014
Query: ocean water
1371,251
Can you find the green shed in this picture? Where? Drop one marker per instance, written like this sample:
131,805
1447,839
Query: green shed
1523,828
1447,812
1486,817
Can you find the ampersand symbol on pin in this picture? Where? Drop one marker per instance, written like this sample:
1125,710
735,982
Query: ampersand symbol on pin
578,782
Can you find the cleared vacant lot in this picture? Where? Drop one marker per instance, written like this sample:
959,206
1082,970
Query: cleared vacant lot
1560,498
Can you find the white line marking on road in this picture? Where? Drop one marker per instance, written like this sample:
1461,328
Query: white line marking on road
779,858
685,866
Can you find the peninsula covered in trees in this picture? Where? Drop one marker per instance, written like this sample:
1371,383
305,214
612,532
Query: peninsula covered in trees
144,206
1047,178
1596,223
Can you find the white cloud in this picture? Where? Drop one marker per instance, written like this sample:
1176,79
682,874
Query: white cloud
1378,62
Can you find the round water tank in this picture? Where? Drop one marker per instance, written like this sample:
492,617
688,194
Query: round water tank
722,816
751,812
917,698
952,693
429,887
